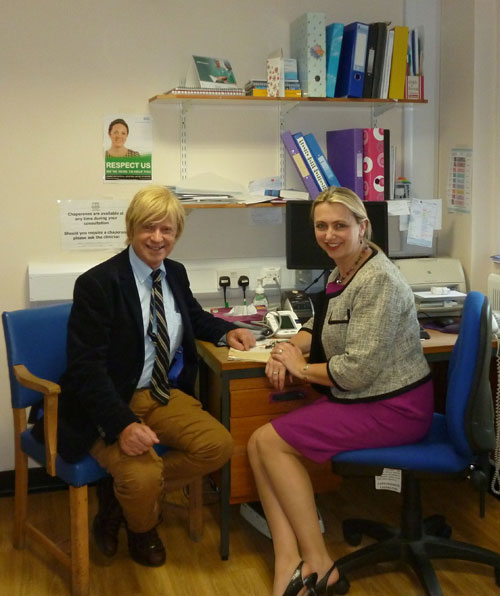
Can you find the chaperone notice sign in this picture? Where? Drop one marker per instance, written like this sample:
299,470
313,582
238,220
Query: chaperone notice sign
93,224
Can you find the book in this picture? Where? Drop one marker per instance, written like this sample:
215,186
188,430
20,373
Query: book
183,90
378,65
415,46
334,34
291,194
210,73
275,77
388,166
344,150
375,166
350,77
256,84
386,72
275,68
370,60
311,163
377,33
319,156
299,163
398,64
307,46
257,92
414,87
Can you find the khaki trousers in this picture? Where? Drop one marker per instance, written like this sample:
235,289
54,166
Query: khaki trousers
199,445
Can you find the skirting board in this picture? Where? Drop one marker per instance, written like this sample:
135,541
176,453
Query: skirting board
38,481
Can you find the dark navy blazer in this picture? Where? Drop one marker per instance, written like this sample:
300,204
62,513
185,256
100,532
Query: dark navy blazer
106,351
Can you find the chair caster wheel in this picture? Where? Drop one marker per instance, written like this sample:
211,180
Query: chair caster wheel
436,525
351,532
342,586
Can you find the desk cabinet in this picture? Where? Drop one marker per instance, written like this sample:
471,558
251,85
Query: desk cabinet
253,403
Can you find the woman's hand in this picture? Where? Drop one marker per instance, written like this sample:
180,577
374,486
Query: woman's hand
285,356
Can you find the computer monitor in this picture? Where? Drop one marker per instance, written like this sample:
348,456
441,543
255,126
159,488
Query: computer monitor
302,250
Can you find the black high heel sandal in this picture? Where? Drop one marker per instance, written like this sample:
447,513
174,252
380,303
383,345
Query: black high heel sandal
297,582
341,586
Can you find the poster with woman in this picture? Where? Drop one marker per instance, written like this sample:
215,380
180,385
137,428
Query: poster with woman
127,147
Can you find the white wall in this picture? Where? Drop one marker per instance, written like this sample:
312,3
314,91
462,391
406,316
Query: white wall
67,64
470,117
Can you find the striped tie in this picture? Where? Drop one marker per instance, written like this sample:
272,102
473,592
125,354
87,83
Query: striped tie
160,389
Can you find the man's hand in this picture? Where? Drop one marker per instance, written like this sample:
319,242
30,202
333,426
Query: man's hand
240,339
136,439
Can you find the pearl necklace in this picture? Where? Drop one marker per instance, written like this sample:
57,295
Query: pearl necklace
341,278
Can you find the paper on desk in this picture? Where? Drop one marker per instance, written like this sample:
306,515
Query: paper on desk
259,353
428,295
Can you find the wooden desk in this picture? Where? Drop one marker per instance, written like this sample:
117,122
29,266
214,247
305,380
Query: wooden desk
238,394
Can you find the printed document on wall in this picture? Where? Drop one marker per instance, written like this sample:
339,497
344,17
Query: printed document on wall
460,180
424,219
93,224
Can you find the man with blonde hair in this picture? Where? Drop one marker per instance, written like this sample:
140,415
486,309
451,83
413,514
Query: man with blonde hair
133,319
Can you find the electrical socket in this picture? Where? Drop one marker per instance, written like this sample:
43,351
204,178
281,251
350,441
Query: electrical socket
233,274
270,275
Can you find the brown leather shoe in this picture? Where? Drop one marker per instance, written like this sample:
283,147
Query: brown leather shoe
146,548
109,518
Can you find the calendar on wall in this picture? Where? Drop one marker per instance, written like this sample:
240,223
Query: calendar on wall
460,180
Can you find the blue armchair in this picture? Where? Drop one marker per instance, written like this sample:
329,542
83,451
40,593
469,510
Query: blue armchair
36,354
457,445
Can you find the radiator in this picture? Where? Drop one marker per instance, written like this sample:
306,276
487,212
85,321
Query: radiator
494,291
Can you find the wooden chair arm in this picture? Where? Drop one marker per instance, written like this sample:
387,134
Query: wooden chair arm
50,392
31,381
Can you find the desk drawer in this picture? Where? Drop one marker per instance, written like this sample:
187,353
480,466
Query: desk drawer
260,398
243,487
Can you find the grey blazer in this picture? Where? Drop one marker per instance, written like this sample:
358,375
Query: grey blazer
368,333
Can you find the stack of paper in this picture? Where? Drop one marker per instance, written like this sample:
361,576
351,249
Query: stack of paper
211,188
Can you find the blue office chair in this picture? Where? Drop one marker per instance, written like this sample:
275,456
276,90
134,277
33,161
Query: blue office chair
36,355
456,446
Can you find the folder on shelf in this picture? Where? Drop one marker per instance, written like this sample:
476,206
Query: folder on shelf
415,46
398,64
299,163
344,150
310,161
334,34
386,71
377,34
376,164
307,43
350,77
319,156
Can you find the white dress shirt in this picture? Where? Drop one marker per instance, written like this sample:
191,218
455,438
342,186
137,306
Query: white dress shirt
144,283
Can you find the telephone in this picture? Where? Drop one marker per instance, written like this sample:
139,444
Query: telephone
300,303
283,323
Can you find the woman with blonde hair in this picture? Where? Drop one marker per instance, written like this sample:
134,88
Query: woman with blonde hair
373,382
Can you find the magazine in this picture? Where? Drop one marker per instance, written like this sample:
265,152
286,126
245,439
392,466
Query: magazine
211,73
